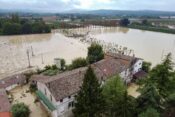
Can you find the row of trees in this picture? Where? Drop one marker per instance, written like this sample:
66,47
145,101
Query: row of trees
15,25
157,95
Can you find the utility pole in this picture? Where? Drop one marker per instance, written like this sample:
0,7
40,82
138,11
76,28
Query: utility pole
32,51
28,57
42,58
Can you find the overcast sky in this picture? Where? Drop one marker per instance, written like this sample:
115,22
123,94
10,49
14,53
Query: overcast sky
62,5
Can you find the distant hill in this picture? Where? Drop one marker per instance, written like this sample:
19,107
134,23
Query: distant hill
103,12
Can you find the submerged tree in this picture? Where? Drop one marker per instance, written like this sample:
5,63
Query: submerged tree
89,100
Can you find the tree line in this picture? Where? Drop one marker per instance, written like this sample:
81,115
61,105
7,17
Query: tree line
16,25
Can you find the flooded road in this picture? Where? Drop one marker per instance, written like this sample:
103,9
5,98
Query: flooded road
43,48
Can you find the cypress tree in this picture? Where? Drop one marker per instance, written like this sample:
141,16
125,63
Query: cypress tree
89,100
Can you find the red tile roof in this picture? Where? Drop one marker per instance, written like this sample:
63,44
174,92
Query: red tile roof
4,102
68,83
9,81
5,114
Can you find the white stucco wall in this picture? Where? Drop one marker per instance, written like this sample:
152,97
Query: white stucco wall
137,66
63,106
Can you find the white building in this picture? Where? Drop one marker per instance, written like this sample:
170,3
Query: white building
57,92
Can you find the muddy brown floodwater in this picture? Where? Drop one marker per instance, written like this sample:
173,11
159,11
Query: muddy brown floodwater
20,95
43,48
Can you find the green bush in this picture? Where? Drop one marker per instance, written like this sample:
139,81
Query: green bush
20,110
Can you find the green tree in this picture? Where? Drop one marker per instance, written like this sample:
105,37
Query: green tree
47,29
95,53
26,28
20,110
38,27
78,62
15,18
170,106
150,112
145,22
159,85
89,101
63,64
124,22
149,97
163,76
11,28
118,102
146,66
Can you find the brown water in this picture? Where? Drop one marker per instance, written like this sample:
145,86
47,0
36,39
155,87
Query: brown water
151,46
45,48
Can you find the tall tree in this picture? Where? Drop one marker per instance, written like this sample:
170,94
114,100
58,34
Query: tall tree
95,53
163,76
118,102
159,85
89,100
149,98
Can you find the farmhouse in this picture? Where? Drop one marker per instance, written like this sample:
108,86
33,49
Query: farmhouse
57,92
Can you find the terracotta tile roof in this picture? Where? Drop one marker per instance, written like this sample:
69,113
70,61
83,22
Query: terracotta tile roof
4,102
9,81
5,114
68,83
111,66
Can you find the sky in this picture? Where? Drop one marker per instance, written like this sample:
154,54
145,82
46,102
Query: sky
65,5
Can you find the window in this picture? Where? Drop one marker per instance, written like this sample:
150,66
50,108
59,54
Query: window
61,100
71,104
51,98
45,91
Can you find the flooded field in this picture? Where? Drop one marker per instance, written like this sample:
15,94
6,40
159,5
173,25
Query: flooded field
43,48
151,46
